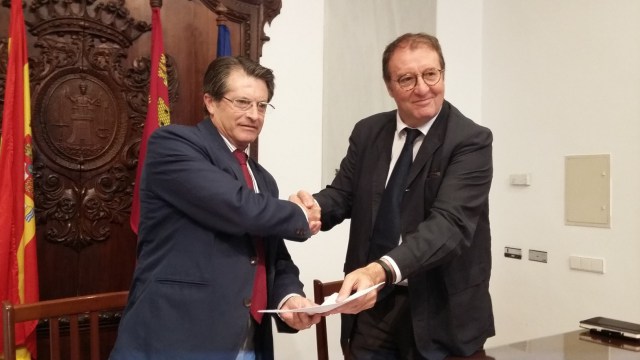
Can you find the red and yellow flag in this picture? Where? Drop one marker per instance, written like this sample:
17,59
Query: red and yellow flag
158,109
18,264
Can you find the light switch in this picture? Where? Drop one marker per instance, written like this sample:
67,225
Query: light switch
574,263
597,266
590,264
520,179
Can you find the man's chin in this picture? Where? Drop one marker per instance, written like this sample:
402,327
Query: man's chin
248,138
423,116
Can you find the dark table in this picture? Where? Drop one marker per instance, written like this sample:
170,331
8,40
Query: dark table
575,345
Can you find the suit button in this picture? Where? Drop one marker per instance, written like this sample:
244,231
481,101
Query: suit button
253,260
247,302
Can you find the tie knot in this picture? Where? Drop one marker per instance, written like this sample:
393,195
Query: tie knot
241,156
412,135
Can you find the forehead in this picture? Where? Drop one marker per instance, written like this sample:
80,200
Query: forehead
413,60
241,84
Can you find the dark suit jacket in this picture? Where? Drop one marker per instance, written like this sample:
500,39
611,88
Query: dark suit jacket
193,281
446,249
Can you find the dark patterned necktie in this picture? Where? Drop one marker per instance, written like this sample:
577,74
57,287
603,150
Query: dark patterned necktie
386,230
259,297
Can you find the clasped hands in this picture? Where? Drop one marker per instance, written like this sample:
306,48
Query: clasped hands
311,208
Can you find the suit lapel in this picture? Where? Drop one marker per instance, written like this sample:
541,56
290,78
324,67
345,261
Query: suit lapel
383,149
383,145
431,143
216,146
258,174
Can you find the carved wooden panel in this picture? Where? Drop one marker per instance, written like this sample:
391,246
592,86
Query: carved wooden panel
87,115
89,63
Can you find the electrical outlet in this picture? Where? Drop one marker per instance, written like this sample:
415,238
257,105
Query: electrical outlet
513,253
537,255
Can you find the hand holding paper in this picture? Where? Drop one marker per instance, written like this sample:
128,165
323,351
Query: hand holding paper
330,303
296,319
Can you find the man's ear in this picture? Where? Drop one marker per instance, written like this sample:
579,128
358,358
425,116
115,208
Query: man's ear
209,103
388,85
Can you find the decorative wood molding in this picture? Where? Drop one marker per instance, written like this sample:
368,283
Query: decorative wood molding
271,9
246,12
109,21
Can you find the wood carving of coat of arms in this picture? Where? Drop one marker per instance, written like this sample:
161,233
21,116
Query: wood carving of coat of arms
88,110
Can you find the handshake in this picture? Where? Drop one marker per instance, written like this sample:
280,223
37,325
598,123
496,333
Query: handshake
310,207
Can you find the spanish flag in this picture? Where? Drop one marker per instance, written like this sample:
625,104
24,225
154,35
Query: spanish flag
158,109
18,264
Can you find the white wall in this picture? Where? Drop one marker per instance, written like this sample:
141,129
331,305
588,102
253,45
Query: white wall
561,78
291,145
550,79
356,34
462,49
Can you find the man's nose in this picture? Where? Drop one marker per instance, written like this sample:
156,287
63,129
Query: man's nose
253,112
421,86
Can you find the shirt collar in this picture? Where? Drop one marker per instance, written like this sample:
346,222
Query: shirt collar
232,147
424,129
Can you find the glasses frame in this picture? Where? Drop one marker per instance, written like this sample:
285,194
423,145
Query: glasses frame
261,110
415,79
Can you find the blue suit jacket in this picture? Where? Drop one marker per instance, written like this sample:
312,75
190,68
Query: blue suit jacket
446,249
191,289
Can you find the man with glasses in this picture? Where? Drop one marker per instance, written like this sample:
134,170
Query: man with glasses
419,217
211,253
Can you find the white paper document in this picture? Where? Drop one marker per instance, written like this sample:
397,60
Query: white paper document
328,304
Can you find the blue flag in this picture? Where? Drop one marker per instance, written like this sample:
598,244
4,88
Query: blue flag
224,41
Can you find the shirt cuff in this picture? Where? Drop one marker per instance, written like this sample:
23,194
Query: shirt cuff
395,268
284,300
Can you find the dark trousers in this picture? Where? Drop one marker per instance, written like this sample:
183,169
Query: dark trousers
385,332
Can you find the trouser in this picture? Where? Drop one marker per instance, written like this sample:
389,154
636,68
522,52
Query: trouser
385,332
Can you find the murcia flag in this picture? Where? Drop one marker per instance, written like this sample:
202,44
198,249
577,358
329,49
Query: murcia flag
18,264
158,110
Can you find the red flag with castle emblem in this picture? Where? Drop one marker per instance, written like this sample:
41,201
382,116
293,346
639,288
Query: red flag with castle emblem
18,263
158,110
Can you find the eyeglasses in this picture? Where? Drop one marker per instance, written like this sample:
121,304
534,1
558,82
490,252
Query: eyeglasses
245,104
430,77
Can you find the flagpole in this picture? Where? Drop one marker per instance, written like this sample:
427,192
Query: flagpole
221,10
